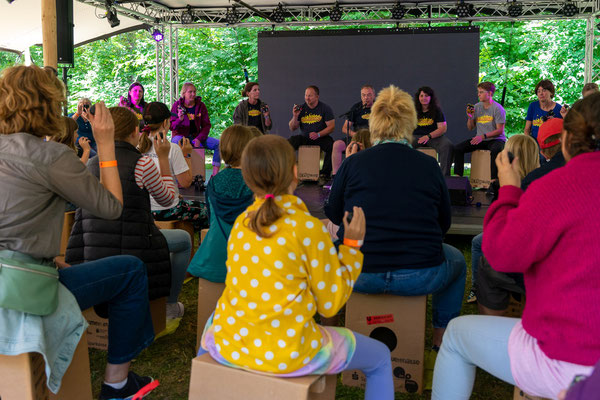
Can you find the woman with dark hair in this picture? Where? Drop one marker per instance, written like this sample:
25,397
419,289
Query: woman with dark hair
541,110
557,337
253,112
135,100
431,127
37,179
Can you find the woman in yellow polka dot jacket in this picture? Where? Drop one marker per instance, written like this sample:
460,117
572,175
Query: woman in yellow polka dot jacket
282,269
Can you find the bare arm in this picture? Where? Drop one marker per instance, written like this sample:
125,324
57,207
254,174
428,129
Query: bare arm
345,129
441,129
294,123
527,130
330,127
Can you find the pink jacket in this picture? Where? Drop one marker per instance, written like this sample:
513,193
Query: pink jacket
201,120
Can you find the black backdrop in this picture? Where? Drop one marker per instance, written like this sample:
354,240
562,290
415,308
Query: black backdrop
339,62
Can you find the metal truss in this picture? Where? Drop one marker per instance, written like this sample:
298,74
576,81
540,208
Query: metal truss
167,65
592,48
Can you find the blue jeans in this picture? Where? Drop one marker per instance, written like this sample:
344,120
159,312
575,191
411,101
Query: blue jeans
476,254
446,281
122,282
210,143
471,341
180,249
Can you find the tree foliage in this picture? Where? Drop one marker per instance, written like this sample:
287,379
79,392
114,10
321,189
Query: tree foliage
512,55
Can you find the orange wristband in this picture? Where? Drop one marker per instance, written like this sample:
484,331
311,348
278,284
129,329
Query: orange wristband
353,242
106,164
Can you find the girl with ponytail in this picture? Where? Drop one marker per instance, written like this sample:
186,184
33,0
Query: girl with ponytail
282,269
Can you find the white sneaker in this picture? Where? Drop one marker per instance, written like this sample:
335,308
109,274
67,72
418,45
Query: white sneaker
174,310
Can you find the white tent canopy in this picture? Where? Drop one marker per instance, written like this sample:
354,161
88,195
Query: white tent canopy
21,26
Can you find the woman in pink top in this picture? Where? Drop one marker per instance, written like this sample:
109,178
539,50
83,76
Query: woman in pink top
550,234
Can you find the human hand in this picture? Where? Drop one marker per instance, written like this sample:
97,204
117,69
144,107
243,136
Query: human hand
470,112
476,140
353,148
423,139
265,110
562,395
161,145
196,143
180,113
314,135
122,101
186,146
508,174
564,110
79,108
102,124
355,230
296,110
84,143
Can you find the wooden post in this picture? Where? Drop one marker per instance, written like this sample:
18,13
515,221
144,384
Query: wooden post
49,33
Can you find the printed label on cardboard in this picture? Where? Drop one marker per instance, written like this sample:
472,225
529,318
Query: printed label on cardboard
380,319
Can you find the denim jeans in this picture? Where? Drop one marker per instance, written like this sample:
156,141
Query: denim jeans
122,283
210,143
471,341
180,247
446,281
476,254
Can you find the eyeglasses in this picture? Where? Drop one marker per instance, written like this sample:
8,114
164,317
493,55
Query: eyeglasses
548,116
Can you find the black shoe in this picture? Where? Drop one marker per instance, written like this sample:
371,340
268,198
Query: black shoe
472,297
323,179
133,385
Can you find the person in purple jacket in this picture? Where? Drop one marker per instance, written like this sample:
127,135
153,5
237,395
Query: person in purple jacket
584,389
189,119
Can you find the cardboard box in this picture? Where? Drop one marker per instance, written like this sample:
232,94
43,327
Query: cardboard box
203,234
481,175
213,381
429,151
23,377
208,295
308,163
97,330
397,321
521,395
184,225
198,163
68,222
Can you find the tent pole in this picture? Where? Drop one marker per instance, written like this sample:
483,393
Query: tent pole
49,33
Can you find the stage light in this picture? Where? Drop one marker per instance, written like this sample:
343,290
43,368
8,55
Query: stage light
187,17
157,35
111,14
232,16
515,9
335,14
464,10
570,9
278,15
398,11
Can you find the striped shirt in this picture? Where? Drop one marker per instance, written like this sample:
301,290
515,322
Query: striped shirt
147,175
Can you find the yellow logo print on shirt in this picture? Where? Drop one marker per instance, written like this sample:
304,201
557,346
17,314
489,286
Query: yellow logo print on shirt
366,116
254,113
485,119
425,122
191,117
538,122
311,119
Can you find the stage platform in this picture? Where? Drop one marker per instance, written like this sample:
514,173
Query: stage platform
467,220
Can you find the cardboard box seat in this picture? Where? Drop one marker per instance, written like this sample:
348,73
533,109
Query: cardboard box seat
481,175
397,321
213,381
430,151
23,377
208,295
309,160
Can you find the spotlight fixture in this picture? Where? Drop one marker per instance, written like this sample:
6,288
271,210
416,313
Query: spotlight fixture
278,15
570,9
187,17
464,10
232,17
157,35
398,11
111,14
335,14
515,9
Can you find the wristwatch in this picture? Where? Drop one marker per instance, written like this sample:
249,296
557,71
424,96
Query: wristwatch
429,135
484,136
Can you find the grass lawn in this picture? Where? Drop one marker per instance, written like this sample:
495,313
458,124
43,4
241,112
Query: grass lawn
169,358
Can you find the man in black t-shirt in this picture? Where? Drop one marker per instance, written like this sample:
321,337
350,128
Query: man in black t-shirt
316,122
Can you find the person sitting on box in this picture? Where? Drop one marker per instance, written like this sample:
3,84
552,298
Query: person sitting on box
406,220
489,118
316,122
431,127
556,340
543,109
37,179
135,232
190,120
227,196
253,112
282,269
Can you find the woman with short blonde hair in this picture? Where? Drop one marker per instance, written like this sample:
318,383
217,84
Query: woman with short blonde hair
393,116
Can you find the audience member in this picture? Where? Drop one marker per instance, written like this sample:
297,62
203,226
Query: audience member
557,337
37,180
282,269
84,129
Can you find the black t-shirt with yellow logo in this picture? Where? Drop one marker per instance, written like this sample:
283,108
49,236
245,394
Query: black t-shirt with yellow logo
254,115
191,113
359,116
313,120
427,122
